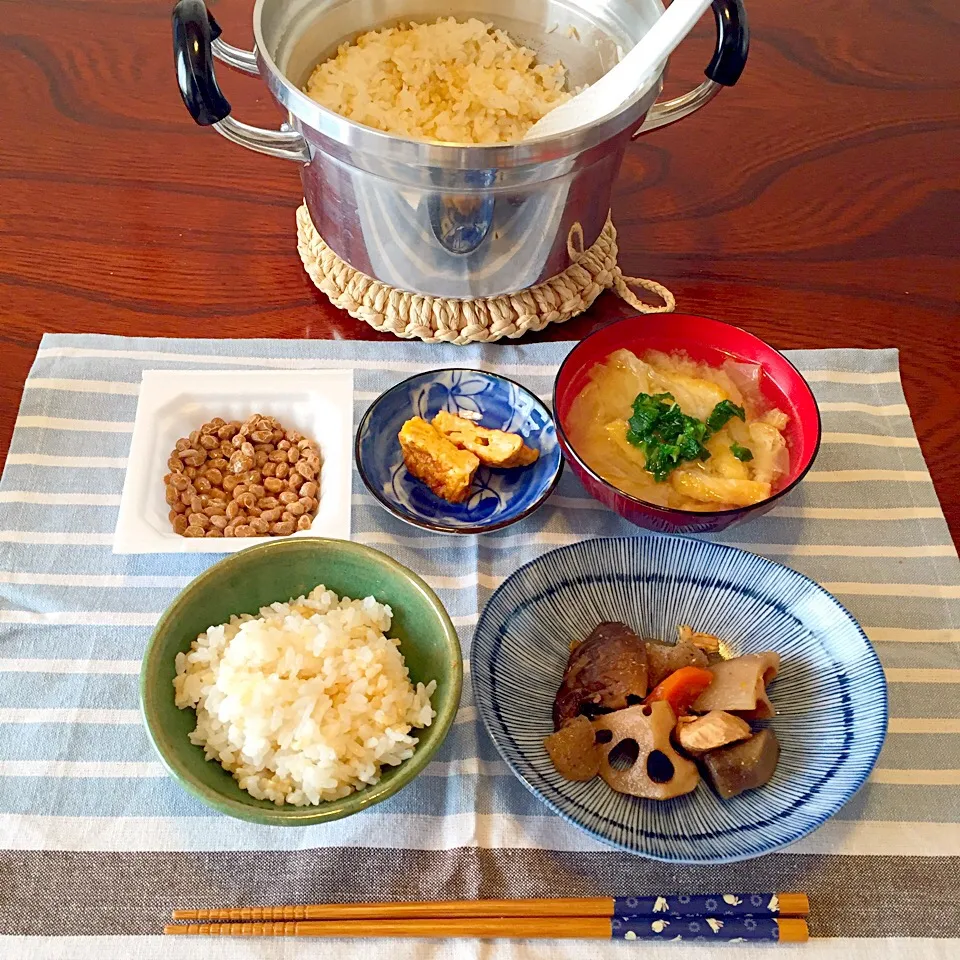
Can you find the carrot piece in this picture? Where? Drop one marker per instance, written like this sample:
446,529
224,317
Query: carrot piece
681,688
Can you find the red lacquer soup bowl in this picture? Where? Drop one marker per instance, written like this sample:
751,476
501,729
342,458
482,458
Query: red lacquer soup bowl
712,342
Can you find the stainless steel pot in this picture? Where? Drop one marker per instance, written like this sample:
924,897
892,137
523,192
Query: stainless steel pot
443,219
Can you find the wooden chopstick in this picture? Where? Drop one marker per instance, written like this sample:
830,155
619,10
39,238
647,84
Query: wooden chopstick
784,930
743,904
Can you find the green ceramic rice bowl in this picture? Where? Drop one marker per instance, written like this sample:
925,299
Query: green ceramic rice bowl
278,570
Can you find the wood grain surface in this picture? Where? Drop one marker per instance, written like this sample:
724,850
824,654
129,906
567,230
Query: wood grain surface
817,203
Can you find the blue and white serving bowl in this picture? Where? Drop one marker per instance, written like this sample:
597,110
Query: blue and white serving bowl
830,695
497,497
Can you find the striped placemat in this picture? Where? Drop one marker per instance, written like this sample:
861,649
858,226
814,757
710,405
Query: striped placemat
98,843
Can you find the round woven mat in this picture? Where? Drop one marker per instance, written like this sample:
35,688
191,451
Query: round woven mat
477,320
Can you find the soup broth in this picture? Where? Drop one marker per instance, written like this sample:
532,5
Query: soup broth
727,449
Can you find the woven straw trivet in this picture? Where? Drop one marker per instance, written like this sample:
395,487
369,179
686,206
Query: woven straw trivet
478,320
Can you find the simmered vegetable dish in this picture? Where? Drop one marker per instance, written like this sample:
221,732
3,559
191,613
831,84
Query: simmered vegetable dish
650,717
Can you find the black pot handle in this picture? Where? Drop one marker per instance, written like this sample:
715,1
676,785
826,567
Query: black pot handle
733,42
194,30
724,69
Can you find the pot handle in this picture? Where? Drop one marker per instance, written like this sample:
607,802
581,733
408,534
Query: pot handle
243,60
194,30
724,69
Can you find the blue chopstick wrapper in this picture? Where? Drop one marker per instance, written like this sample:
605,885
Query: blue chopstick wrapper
722,905
716,929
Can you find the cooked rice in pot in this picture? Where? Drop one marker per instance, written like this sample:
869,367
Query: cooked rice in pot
450,81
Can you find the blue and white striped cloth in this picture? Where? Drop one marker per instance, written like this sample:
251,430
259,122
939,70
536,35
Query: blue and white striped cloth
77,772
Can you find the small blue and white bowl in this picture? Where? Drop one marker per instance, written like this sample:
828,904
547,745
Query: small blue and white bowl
830,694
498,497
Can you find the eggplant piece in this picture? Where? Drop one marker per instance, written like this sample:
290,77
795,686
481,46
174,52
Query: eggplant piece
573,750
710,732
739,685
742,766
606,672
666,658
637,757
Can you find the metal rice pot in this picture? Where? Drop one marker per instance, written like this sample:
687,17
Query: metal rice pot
443,219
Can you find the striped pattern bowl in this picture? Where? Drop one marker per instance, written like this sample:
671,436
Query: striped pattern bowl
831,695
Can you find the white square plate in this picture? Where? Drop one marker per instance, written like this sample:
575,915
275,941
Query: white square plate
318,403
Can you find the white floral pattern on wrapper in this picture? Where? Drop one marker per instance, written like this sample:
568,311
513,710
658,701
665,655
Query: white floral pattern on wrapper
687,905
710,929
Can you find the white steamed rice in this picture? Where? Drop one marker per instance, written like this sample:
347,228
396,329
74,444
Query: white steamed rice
306,702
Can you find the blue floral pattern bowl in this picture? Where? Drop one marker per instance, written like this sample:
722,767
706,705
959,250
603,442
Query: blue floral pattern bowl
497,497
830,694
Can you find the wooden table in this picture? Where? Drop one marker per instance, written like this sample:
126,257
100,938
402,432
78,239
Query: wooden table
816,204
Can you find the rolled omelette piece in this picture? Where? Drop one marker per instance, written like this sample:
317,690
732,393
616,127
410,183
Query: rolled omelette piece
494,448
445,468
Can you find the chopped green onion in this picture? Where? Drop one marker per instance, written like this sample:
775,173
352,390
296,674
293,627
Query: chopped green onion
668,437
722,412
